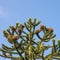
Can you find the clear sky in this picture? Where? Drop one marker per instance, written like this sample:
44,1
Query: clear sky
12,11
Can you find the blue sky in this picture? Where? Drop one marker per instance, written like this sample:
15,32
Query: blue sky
12,11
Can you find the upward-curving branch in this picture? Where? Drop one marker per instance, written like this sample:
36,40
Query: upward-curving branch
27,42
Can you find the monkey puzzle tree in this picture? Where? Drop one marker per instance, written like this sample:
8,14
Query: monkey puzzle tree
27,42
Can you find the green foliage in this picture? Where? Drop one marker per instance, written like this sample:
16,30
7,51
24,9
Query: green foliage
25,44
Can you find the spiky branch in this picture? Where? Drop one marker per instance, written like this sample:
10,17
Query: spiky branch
25,44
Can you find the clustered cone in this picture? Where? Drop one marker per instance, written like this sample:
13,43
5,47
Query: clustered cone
15,37
50,29
10,38
37,31
10,35
42,27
